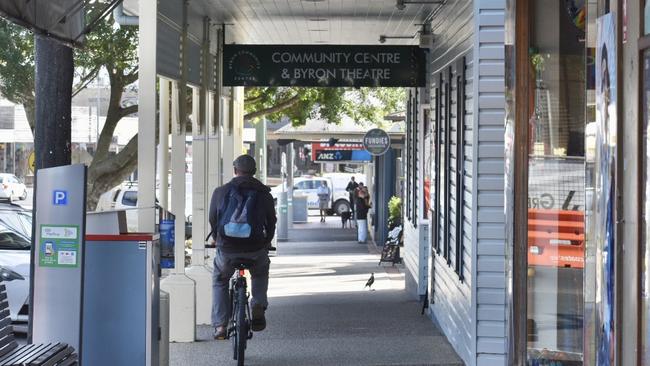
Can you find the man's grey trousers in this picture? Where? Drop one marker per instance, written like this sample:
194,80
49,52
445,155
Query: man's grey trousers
223,271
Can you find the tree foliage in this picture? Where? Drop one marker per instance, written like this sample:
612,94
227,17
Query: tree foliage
331,104
109,49
112,50
17,67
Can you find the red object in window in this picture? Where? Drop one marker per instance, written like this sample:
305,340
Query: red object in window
556,238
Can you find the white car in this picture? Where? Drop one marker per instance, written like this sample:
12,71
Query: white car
125,197
12,187
309,186
15,244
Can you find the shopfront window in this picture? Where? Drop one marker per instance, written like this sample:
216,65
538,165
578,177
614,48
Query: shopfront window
556,182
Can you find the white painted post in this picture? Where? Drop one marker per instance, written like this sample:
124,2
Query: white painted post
198,180
228,138
198,272
181,288
146,116
163,145
178,185
215,111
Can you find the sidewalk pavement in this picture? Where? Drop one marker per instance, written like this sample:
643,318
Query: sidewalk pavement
320,314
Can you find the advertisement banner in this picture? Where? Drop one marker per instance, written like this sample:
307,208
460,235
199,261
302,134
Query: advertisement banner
603,215
324,66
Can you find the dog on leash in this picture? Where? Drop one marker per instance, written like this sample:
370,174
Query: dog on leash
345,219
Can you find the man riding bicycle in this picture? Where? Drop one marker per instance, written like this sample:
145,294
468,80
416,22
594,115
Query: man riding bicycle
242,218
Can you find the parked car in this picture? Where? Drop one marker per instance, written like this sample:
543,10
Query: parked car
15,244
309,185
12,187
125,197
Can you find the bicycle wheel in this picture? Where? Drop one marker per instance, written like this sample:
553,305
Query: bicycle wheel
242,324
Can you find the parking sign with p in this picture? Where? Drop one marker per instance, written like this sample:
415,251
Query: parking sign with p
60,198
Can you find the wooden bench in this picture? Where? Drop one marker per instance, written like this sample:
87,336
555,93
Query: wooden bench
11,354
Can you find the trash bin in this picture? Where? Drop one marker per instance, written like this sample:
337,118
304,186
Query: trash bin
300,213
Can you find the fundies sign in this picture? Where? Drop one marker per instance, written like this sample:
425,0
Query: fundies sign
323,66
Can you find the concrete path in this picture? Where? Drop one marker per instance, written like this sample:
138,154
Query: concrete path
319,313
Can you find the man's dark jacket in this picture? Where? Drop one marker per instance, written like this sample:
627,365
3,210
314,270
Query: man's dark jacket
264,213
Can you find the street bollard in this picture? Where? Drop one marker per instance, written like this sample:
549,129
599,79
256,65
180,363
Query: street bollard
283,217
164,329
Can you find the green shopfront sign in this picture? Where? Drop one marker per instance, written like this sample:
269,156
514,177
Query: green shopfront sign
376,141
324,66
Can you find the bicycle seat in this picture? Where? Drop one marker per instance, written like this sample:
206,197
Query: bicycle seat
243,263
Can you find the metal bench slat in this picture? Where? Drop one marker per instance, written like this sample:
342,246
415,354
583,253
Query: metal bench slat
22,354
7,345
6,323
51,356
4,313
3,296
6,331
7,340
40,355
72,360
14,355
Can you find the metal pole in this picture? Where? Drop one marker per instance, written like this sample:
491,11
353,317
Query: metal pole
290,167
146,117
282,228
260,150
163,145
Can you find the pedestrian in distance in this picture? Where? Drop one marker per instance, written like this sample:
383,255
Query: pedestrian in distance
324,195
351,189
242,219
363,205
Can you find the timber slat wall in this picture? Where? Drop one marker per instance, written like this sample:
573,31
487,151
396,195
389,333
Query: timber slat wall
453,29
469,294
490,233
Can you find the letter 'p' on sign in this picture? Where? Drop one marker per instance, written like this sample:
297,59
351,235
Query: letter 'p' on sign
60,198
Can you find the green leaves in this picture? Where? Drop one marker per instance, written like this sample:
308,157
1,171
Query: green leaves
16,63
300,104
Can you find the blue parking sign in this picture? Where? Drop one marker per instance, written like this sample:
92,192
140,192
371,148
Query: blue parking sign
60,198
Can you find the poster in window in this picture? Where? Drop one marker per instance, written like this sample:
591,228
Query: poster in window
604,214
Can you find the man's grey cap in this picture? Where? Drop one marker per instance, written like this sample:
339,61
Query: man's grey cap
245,164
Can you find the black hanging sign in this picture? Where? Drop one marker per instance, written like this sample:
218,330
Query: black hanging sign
324,66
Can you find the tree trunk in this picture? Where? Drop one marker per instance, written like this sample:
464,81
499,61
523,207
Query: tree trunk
54,76
30,113
105,182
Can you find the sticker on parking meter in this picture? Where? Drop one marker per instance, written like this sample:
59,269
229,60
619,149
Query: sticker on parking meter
59,246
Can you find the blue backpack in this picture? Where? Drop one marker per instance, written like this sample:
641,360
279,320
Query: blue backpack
237,217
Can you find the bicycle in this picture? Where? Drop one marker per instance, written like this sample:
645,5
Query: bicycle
239,326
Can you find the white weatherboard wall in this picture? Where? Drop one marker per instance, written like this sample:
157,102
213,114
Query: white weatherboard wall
452,298
489,255
416,229
471,312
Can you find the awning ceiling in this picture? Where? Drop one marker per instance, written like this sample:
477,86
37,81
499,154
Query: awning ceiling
311,21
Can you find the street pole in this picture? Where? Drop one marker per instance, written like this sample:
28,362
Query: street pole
54,74
290,167
52,133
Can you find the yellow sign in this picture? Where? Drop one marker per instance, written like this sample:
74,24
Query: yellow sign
32,162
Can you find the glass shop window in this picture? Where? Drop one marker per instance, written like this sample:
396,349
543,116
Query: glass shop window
556,183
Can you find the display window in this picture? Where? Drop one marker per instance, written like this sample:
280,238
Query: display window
556,199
